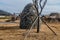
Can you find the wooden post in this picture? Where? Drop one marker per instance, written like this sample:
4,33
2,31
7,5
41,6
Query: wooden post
36,6
38,21
38,26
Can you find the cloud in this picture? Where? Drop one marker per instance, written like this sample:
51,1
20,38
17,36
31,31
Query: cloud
52,6
53,1
13,5
18,5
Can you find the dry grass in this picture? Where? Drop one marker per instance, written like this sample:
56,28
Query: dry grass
12,32
3,20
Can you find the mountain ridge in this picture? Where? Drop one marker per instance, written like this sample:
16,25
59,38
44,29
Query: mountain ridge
4,13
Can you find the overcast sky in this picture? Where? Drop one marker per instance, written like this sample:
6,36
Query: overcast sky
18,5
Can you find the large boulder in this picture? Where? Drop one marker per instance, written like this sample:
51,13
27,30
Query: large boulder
28,15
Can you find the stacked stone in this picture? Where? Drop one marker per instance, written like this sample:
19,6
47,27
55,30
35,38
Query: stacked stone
28,15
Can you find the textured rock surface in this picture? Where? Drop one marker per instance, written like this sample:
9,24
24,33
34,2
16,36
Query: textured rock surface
28,16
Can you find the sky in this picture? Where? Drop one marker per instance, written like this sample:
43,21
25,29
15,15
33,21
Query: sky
16,6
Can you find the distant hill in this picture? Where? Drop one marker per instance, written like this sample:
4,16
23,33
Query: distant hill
4,13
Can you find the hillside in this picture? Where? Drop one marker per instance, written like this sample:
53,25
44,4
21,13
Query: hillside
4,13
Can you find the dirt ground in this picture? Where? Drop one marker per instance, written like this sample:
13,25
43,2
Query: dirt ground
13,32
